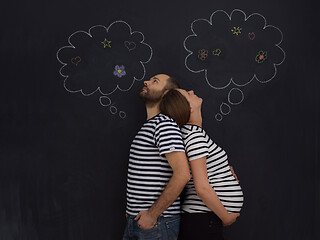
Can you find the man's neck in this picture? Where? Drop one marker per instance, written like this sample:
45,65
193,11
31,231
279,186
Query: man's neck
152,111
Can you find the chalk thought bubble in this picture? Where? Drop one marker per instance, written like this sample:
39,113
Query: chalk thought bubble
104,59
234,49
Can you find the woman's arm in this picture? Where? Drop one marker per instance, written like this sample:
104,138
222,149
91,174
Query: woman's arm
206,192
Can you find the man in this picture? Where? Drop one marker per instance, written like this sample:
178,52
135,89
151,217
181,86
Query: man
158,170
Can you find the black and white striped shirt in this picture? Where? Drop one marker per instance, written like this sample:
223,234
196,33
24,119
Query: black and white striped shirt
198,144
148,170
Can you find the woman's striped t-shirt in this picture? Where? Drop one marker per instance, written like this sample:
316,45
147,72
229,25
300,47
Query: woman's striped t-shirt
148,169
198,144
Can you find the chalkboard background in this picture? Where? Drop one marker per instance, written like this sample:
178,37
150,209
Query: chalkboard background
63,155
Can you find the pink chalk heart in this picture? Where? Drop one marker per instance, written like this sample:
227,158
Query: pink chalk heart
76,60
251,35
130,45
261,57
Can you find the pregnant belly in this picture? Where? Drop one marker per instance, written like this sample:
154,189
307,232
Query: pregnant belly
229,193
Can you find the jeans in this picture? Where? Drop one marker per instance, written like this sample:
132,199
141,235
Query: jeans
166,228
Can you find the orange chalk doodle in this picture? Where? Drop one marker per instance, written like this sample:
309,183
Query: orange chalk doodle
261,56
76,60
202,54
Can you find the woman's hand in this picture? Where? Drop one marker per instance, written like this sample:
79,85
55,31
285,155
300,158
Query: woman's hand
235,176
232,217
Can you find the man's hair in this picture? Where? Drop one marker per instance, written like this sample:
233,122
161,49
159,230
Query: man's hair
176,106
171,83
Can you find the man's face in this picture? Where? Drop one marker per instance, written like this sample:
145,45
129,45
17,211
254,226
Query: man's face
154,88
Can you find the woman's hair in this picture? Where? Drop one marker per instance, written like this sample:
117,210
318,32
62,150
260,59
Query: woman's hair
176,106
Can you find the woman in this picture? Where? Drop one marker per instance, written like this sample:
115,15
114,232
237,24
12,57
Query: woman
213,196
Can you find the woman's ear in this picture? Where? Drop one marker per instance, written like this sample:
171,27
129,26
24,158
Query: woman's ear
191,109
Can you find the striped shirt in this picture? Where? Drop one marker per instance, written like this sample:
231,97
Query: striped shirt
148,169
198,144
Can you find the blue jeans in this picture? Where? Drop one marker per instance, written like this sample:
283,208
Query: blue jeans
166,228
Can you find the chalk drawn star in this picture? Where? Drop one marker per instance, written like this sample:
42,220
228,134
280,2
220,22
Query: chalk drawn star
236,31
106,43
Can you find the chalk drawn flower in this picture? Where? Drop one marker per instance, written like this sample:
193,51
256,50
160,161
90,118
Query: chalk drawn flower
261,57
119,71
202,54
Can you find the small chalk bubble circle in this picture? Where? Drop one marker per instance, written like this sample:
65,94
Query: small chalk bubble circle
225,109
218,117
235,96
105,101
122,114
113,110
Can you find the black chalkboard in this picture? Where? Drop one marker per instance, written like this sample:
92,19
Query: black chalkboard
71,73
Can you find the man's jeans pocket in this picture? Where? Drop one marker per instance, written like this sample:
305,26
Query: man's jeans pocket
172,225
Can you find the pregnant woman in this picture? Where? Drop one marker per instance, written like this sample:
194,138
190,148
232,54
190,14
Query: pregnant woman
213,197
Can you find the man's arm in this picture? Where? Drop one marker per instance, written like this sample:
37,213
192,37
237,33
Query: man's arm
181,175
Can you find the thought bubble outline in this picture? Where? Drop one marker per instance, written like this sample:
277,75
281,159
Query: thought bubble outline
218,117
113,110
122,114
221,110
229,96
245,19
89,34
103,104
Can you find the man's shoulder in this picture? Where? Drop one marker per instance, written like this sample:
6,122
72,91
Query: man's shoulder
162,118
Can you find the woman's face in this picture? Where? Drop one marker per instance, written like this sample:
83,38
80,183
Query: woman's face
194,101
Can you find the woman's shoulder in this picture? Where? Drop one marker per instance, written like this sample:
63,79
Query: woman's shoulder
192,130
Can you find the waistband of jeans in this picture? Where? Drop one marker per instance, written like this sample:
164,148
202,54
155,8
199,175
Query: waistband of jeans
160,217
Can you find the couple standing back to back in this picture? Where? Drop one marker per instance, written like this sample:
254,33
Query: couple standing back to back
158,171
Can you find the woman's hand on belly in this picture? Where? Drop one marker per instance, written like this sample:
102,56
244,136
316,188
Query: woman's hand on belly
233,173
230,219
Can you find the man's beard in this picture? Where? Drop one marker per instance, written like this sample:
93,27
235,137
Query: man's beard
151,97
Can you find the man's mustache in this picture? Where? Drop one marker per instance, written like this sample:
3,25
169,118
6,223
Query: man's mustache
145,88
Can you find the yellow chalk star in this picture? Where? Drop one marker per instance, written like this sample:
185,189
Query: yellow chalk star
236,30
106,43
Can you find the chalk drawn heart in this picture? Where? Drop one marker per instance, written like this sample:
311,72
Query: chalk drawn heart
130,45
76,60
216,52
251,35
